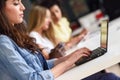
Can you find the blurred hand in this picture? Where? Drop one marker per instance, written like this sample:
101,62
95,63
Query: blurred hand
83,33
58,51
77,38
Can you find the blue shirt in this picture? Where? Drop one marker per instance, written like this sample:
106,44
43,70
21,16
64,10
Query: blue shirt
17,63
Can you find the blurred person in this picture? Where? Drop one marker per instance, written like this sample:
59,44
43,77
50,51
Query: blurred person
61,26
20,56
39,23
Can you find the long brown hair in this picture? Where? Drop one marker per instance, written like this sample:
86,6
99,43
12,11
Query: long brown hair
17,32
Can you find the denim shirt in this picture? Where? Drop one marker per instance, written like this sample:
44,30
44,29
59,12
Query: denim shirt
20,64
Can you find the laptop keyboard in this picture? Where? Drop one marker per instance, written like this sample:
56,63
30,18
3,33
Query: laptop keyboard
95,53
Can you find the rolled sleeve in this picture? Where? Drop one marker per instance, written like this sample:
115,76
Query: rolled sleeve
47,75
51,63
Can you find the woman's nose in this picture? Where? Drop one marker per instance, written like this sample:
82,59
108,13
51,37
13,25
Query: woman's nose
22,7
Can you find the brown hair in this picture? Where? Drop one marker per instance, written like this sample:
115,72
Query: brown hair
17,32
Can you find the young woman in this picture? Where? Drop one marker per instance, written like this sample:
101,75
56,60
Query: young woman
20,57
39,23
39,28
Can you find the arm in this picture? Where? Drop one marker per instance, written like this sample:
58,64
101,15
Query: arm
44,52
18,67
74,40
67,62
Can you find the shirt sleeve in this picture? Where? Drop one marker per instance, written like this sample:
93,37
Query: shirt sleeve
36,36
17,67
51,63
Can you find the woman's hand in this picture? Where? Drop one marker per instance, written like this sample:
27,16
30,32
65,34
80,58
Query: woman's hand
65,63
76,39
78,54
82,34
58,51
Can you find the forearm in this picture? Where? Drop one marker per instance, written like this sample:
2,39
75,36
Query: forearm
61,68
79,37
62,59
44,52
65,64
73,41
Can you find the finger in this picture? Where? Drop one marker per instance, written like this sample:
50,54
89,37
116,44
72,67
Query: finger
86,53
86,49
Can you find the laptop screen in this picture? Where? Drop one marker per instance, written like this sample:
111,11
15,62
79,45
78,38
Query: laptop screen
104,34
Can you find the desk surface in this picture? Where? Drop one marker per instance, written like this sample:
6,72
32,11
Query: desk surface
112,57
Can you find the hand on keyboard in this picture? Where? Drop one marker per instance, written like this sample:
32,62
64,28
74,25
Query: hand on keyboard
94,54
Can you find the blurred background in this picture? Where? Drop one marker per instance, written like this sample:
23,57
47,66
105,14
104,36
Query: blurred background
83,12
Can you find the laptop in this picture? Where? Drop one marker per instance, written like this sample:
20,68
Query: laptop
103,44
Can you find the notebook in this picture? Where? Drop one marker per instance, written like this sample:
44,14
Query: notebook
103,44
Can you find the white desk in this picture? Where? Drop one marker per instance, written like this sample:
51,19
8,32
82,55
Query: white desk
111,58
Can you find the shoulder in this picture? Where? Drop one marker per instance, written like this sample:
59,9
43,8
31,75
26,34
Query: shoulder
4,38
6,41
34,34
64,19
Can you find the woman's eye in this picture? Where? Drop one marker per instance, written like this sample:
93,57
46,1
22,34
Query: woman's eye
16,3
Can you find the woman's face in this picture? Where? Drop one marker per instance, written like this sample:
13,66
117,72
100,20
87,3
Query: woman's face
47,20
14,11
56,13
